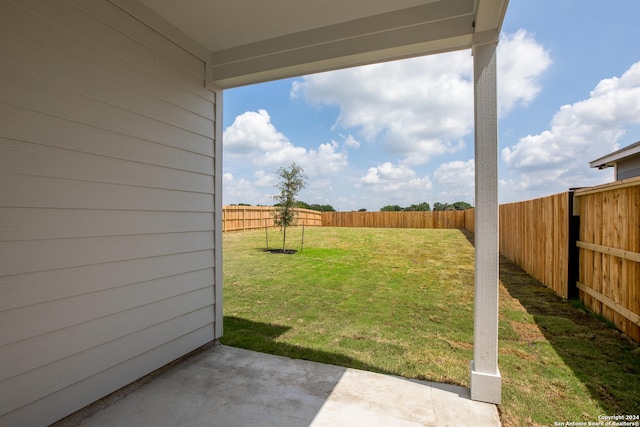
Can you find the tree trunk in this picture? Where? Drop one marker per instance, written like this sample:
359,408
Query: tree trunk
284,238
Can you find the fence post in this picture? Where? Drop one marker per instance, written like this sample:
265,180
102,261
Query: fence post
573,269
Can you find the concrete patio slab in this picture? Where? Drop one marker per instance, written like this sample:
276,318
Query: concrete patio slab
232,387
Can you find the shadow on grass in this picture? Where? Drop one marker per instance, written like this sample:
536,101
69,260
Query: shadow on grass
469,236
261,337
603,359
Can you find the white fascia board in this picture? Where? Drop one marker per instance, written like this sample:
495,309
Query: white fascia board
417,40
330,64
490,14
611,158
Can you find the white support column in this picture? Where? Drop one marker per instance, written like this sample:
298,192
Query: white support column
217,206
485,376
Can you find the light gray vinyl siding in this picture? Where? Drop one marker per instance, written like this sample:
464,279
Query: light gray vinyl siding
107,198
628,168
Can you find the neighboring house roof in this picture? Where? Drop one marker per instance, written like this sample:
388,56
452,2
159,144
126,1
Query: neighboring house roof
611,159
248,42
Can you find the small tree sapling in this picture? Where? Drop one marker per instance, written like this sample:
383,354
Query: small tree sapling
292,180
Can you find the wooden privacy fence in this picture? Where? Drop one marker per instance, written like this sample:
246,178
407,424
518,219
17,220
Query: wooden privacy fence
470,220
534,234
609,271
403,219
583,244
236,218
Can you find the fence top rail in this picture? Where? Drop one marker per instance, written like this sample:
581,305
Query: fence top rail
263,208
623,183
534,200
240,207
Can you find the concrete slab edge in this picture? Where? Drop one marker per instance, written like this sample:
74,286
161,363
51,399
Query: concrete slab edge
77,417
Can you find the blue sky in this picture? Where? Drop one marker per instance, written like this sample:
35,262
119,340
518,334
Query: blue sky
402,132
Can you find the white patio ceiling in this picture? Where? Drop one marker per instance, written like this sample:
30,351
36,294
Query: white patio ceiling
250,41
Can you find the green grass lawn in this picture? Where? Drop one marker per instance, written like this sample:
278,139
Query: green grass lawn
400,301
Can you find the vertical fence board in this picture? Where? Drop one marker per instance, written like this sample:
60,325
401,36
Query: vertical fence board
598,274
615,263
586,265
633,268
607,240
633,295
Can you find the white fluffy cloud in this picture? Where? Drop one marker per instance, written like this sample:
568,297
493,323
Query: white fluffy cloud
455,181
351,142
253,136
241,190
423,107
420,106
455,171
579,132
521,62
395,180
386,172
252,139
327,159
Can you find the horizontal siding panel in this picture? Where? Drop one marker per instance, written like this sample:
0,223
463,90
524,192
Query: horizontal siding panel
77,50
26,322
143,34
106,209
148,37
37,383
33,191
26,355
30,126
35,288
38,255
162,26
32,159
72,23
31,61
33,224
70,399
25,92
